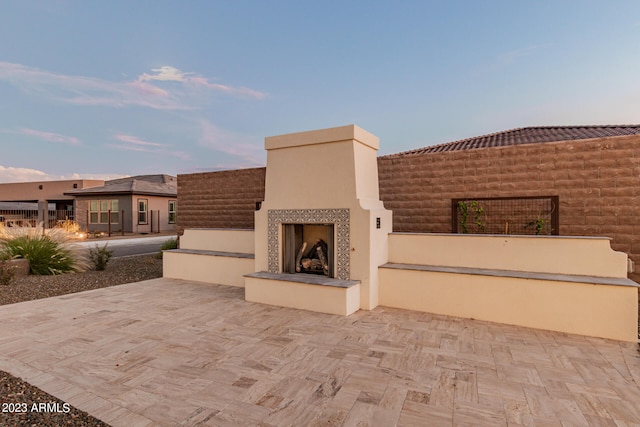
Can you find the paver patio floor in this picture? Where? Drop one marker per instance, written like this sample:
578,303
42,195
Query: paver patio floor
169,352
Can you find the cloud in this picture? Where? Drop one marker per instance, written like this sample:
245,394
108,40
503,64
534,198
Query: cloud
13,174
231,143
167,73
94,176
199,81
147,89
137,141
81,90
133,143
86,90
45,136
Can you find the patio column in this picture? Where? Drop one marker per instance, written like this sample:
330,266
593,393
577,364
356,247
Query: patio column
43,212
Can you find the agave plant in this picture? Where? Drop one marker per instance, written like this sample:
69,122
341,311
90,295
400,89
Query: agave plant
50,251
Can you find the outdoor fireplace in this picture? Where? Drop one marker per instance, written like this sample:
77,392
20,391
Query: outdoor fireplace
343,222
308,249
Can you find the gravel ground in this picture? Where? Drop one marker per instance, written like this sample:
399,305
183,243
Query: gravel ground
119,271
16,396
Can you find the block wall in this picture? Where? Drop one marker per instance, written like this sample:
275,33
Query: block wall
225,199
598,182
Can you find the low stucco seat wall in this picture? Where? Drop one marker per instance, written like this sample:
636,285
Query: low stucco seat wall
219,239
220,256
566,284
222,268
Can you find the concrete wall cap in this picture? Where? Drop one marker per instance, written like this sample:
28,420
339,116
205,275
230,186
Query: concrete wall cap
506,236
323,136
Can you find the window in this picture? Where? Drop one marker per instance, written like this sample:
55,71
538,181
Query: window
104,211
93,212
173,204
142,211
115,212
99,211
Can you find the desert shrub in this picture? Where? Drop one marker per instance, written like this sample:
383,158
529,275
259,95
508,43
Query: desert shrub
47,251
69,226
44,255
167,245
99,257
7,273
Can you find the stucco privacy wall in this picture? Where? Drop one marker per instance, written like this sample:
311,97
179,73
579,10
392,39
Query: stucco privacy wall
598,181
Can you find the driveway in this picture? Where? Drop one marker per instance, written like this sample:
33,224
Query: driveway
130,245
170,352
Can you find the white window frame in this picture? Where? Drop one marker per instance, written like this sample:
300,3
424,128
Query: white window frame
143,211
173,213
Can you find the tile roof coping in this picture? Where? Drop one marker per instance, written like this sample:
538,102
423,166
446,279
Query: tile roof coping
527,135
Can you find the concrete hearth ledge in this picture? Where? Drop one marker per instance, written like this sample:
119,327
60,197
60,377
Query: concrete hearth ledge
595,280
309,279
304,292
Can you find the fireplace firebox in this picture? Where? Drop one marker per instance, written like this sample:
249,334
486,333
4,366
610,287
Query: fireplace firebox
308,249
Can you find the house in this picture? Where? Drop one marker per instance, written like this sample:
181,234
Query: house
137,204
28,203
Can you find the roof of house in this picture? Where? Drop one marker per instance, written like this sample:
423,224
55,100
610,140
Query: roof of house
528,135
147,185
158,179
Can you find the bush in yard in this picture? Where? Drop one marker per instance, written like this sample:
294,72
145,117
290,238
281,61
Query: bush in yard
7,273
167,245
47,251
100,257
69,226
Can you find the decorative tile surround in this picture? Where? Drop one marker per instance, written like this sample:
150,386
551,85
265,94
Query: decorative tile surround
338,217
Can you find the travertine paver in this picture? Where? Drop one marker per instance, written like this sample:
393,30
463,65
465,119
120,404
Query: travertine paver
168,352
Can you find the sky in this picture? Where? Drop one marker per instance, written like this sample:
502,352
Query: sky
105,89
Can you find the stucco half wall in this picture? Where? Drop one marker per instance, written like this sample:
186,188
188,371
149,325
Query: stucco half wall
200,266
588,256
221,256
569,285
220,239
